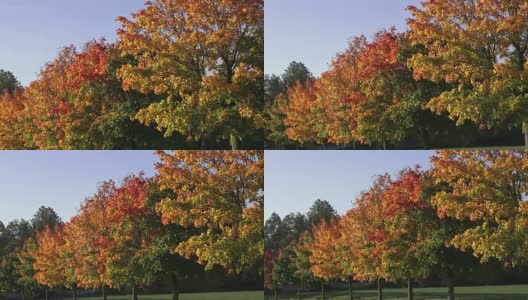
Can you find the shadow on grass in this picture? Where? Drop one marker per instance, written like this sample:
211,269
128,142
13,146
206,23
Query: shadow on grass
369,295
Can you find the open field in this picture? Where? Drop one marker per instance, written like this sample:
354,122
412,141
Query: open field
255,295
513,292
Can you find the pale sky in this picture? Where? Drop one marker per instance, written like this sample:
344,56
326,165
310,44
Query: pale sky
61,179
295,179
314,31
33,31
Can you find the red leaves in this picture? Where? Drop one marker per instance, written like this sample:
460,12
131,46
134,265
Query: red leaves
63,109
379,236
379,56
128,199
355,98
89,65
404,193
102,242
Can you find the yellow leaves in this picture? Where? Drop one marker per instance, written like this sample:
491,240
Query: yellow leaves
221,192
325,255
488,188
197,49
474,45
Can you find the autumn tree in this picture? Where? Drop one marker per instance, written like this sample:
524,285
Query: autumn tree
17,244
131,252
487,189
364,233
87,235
367,96
12,134
221,194
338,91
451,263
213,86
78,103
325,253
302,115
276,100
481,47
54,264
386,108
412,241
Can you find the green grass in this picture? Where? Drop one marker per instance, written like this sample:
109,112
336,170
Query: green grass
197,296
513,292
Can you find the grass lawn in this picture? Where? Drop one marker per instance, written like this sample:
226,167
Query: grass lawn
198,296
513,292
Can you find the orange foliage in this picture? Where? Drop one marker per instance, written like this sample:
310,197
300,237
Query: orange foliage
11,126
379,56
301,118
222,192
403,193
128,199
53,264
325,255
89,65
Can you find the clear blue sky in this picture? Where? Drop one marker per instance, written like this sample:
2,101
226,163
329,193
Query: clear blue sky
314,31
32,31
295,179
61,179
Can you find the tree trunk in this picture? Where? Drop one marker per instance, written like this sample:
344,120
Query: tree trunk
410,294
134,293
300,289
450,291
275,291
380,289
299,292
47,295
75,292
450,285
525,131
322,290
175,287
103,293
425,138
233,141
350,289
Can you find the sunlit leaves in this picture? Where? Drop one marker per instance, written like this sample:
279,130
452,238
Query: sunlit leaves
220,192
325,258
481,47
489,189
205,58
54,265
368,95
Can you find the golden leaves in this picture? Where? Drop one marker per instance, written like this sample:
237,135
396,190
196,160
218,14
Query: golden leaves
488,188
471,44
192,50
221,192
